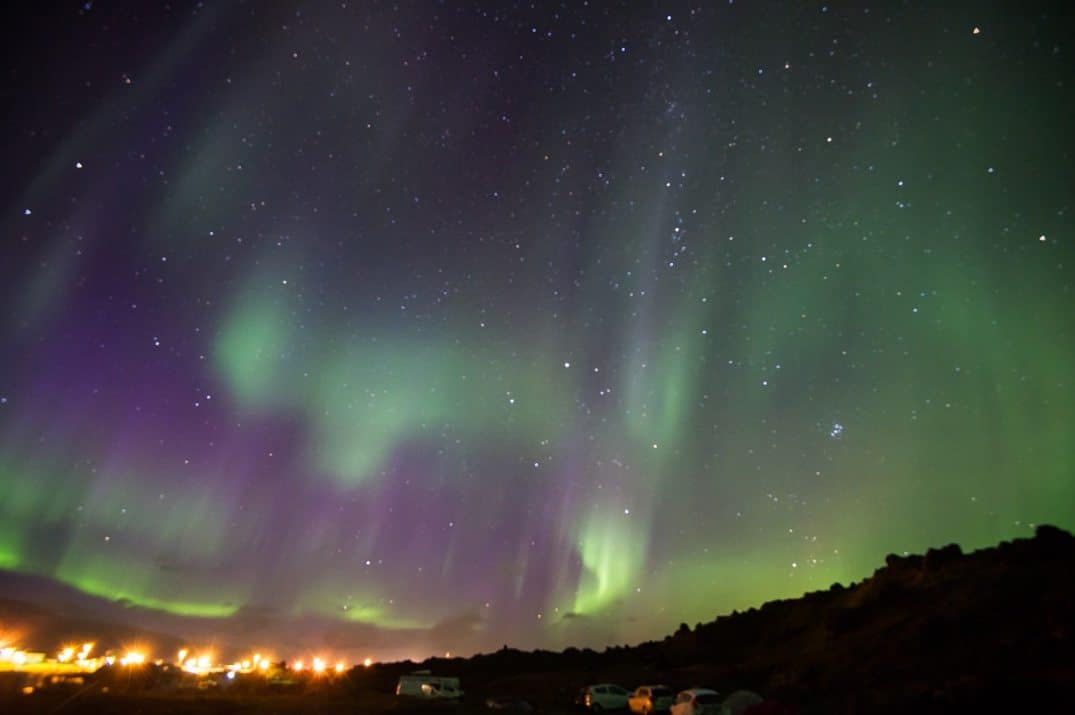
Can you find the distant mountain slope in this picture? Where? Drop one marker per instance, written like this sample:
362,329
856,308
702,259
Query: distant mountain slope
38,612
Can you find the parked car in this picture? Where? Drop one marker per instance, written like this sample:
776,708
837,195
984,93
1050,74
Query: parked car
649,699
603,696
696,701
422,684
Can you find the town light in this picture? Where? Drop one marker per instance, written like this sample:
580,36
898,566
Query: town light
133,658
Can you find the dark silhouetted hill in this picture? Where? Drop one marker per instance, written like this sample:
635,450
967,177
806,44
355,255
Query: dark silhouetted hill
943,632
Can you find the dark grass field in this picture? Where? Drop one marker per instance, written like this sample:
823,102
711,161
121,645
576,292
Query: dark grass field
340,697
326,701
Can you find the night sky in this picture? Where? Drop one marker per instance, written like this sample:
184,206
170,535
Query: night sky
445,325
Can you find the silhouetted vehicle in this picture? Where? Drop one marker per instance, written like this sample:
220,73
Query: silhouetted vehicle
423,684
650,698
603,696
696,701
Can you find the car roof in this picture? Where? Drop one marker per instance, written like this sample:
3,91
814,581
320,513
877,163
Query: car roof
700,691
653,685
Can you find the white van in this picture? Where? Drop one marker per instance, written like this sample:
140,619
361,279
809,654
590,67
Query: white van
422,684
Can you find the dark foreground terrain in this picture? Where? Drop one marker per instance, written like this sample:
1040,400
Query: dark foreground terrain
943,632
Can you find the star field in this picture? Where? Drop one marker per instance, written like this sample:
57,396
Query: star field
446,325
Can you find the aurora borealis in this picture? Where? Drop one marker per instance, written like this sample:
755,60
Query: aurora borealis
452,324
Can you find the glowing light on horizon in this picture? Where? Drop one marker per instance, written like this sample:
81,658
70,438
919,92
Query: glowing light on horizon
133,657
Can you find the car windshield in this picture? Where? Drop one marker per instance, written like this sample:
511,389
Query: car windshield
617,690
661,693
707,699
